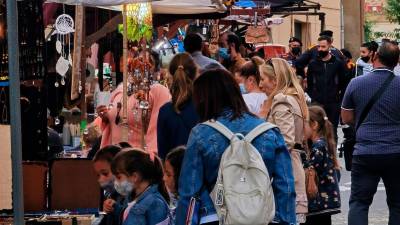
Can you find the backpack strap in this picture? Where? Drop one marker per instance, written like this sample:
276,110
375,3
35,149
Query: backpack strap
220,128
258,131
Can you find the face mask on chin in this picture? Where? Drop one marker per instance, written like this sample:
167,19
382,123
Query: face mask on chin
123,188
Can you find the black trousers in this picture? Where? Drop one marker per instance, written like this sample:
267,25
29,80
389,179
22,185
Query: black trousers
333,113
323,219
365,176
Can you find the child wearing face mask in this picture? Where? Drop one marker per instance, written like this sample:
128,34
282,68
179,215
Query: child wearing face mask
172,167
140,177
114,203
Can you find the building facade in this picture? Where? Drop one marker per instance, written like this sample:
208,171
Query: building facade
375,13
344,17
307,28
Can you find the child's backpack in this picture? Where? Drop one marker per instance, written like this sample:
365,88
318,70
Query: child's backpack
243,193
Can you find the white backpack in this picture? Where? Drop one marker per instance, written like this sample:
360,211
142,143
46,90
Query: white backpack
243,193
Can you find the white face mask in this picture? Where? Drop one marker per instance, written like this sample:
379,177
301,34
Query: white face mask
124,188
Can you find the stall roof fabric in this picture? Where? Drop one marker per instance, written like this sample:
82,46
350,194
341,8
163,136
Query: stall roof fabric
97,3
159,7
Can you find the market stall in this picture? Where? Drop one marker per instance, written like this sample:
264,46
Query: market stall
69,45
133,34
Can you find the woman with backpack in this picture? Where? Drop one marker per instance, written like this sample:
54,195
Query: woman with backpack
219,103
287,108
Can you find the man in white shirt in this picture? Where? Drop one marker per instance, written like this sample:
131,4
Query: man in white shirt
193,44
397,70
364,63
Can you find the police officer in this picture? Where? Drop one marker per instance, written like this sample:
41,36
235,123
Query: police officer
312,54
295,46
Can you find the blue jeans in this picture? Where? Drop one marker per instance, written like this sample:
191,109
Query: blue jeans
366,173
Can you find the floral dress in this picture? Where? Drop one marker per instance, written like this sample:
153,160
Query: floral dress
328,199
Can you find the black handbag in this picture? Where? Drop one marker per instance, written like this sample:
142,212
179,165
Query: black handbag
347,147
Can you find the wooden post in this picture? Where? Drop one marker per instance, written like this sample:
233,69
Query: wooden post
77,55
124,124
83,67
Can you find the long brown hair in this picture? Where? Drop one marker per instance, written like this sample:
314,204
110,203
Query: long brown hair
183,70
216,91
286,83
325,130
135,160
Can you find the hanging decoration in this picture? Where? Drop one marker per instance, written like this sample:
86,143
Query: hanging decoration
137,26
139,21
139,82
64,27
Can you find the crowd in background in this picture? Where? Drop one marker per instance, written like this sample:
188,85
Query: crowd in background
301,94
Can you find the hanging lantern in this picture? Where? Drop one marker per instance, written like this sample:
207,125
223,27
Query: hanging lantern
139,21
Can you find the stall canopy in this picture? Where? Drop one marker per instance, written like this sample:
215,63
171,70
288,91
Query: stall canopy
177,7
273,3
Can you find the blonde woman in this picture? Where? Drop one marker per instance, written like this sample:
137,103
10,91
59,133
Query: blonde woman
287,108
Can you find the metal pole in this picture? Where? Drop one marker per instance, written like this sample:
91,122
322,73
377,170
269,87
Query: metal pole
322,18
15,112
341,24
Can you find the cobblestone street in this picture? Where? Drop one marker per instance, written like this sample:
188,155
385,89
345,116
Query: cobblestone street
378,213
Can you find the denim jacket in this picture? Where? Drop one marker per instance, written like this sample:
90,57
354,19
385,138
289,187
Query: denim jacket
204,151
121,202
150,209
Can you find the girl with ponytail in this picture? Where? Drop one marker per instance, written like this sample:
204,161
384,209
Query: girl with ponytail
177,118
323,159
140,177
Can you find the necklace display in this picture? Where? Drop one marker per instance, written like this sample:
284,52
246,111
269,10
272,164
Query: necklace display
31,41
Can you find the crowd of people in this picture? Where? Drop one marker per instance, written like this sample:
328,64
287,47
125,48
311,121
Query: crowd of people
290,107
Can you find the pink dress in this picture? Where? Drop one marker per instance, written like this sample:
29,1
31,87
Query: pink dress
111,132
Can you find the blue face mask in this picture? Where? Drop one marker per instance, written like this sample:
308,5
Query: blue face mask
123,188
223,53
242,88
